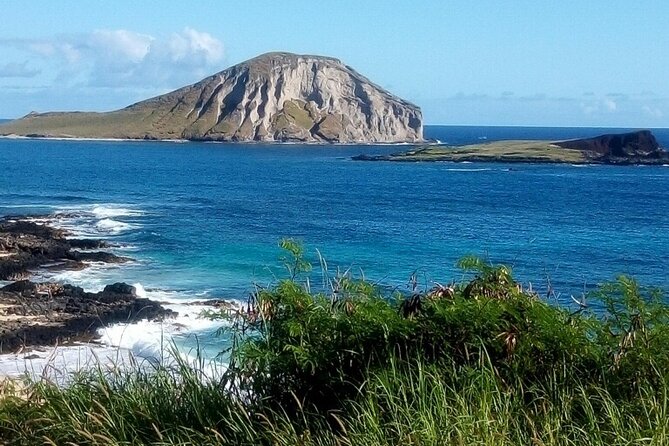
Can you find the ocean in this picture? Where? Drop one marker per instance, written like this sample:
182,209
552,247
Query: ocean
203,220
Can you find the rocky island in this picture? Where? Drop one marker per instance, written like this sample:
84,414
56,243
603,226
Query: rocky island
639,147
280,97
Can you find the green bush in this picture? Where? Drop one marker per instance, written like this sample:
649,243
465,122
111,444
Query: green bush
316,350
482,362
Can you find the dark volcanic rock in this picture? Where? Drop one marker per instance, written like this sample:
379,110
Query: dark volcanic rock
48,313
34,314
88,244
632,147
20,286
99,256
25,245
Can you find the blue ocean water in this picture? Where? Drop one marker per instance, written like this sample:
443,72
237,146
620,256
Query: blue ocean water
203,220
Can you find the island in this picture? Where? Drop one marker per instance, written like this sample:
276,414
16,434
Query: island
638,147
275,97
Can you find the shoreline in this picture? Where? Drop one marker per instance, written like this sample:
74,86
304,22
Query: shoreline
42,320
488,160
206,141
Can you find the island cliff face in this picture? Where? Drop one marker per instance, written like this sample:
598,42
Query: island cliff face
612,148
273,97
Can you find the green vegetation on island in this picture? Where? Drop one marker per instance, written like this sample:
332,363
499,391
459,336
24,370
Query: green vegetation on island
502,151
485,361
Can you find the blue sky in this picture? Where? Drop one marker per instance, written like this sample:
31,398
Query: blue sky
562,63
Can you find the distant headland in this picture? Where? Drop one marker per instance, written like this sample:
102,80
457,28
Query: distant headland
638,147
275,97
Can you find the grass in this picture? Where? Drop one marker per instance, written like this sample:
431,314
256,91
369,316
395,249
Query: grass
482,362
296,112
510,151
82,125
417,405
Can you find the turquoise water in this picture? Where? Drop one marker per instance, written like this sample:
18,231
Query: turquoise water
203,220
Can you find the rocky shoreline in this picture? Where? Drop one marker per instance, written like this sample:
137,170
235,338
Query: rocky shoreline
26,245
46,314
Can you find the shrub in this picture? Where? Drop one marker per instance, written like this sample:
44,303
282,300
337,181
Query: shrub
316,350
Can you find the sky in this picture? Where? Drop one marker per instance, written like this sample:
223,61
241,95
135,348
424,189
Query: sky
595,63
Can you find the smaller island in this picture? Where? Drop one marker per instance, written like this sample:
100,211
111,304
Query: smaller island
638,147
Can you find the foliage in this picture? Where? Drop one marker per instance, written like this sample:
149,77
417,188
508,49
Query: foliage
480,362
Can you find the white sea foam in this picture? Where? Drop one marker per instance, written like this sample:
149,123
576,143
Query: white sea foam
482,169
145,340
93,278
59,363
149,338
114,210
110,226
139,290
94,221
123,344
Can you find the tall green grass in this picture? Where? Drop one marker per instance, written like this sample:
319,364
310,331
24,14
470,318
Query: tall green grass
413,404
483,362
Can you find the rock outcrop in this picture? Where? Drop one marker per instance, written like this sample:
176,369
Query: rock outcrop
40,314
26,245
33,314
273,97
623,147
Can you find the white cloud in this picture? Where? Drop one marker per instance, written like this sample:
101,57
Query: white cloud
50,49
14,69
120,45
595,105
123,58
653,112
589,108
191,44
610,104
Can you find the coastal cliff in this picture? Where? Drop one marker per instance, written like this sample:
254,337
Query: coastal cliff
273,97
631,147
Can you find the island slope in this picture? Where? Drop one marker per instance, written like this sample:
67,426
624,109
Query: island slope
273,97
